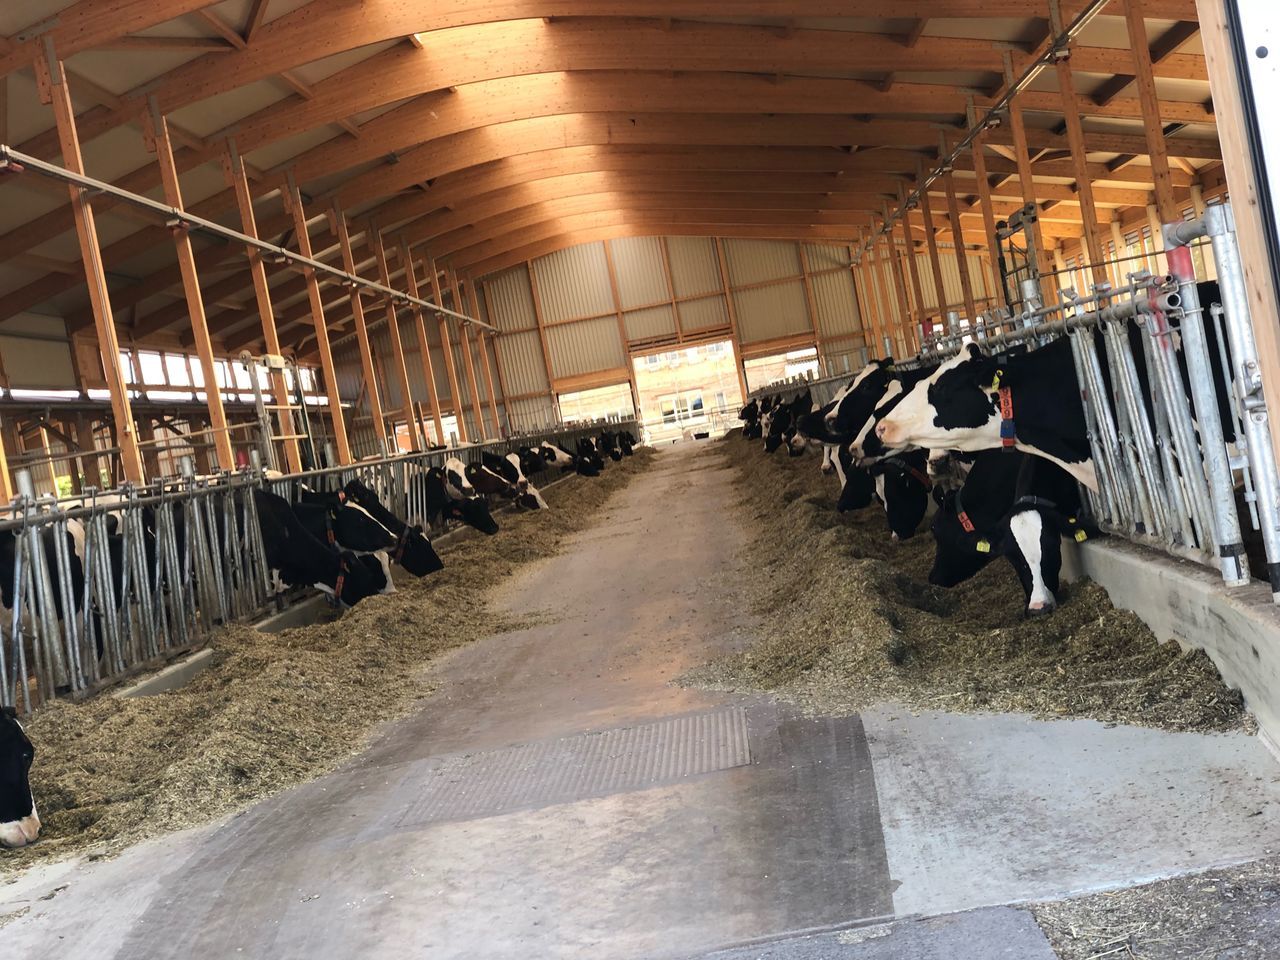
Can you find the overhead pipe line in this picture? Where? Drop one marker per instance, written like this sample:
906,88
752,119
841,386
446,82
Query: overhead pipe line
1059,48
14,161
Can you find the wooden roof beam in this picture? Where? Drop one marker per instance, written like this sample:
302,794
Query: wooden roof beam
1165,46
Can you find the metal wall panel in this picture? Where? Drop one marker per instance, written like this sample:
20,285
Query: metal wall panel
835,303
642,276
757,261
522,364
826,256
532,413
706,313
650,323
951,278
585,347
511,298
765,313
442,374
574,283
695,268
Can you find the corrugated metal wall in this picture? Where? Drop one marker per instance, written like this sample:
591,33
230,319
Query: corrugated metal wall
951,278
642,278
767,313
758,261
573,283
695,267
586,347
652,323
836,304
705,313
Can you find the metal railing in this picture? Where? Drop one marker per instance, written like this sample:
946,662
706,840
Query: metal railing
107,584
1144,366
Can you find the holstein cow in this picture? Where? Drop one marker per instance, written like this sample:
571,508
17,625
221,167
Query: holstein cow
565,460
1029,402
1013,505
589,456
608,443
443,502
19,821
347,526
300,559
782,424
857,487
750,417
626,442
413,549
522,491
903,485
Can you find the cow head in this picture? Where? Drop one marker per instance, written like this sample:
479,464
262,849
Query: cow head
455,478
958,554
905,490
516,472
359,576
474,512
955,408
357,529
19,822
415,553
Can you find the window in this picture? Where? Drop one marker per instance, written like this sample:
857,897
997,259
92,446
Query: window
152,367
175,365
653,360
598,403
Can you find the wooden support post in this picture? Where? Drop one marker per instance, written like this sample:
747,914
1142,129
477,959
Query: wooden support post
962,255
6,482
810,302
237,179
1144,80
497,364
1080,165
884,329
293,206
1026,180
1242,179
159,142
871,332
900,287
400,369
895,328
931,242
338,224
473,383
424,343
913,269
984,201
51,80
199,444
733,315
446,344
484,355
542,329
147,443
612,269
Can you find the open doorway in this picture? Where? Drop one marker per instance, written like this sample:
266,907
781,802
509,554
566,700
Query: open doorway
763,371
690,393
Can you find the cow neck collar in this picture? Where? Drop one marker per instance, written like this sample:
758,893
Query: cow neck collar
401,544
1021,497
340,582
1004,397
905,469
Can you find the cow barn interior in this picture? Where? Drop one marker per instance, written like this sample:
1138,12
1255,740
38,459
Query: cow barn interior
595,479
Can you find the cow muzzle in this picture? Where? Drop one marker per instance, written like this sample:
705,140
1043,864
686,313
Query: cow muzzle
1041,608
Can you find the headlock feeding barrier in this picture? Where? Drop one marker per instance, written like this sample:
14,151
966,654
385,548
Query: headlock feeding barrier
105,584
1172,394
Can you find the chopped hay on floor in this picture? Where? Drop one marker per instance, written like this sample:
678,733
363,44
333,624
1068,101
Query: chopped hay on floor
275,710
848,619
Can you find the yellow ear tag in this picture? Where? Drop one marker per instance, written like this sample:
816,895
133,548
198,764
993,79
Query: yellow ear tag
983,546
1081,536
995,384
1071,520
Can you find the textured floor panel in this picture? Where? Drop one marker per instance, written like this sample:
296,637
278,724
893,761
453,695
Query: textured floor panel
574,768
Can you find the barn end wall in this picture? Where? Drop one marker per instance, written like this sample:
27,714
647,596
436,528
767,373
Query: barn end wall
1179,600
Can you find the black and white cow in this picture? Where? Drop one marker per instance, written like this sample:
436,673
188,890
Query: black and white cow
442,502
1017,506
1029,402
345,525
903,485
558,457
857,486
626,442
19,821
300,559
782,423
589,458
608,444
520,490
488,482
532,462
413,549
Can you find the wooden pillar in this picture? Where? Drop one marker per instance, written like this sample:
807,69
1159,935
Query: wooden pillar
447,344
484,356
198,440
497,364
6,483
338,222
984,200
399,367
464,332
931,242
733,315
871,333
1080,165
51,80
1026,179
159,142
542,329
962,255
424,343
900,286
894,324
233,169
612,269
913,268
1242,179
147,444
810,301
1144,80
293,205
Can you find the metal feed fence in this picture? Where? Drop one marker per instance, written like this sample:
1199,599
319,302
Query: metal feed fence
107,584
1144,365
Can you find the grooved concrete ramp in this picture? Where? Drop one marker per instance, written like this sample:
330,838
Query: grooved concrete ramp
577,768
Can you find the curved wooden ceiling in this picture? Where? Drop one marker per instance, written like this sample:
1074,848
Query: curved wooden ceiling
485,133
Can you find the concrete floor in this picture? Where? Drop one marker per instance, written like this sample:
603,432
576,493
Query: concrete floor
558,797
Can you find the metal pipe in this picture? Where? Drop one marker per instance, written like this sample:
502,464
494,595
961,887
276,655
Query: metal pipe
12,159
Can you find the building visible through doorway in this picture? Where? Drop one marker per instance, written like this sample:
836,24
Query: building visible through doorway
688,393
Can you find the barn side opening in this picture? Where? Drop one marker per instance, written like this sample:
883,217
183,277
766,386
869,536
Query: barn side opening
691,393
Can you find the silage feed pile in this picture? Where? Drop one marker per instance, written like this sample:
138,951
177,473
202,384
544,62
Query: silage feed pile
848,619
275,710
